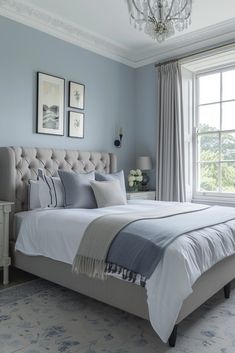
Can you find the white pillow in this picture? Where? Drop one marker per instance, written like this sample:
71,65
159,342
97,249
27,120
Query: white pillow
50,190
108,193
33,195
109,177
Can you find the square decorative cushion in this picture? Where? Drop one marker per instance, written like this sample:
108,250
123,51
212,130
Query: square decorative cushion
33,195
50,190
77,189
110,177
108,193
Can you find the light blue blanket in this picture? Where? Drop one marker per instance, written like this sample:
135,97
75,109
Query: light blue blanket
138,248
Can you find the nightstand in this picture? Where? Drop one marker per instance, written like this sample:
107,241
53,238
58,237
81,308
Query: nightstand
5,261
141,195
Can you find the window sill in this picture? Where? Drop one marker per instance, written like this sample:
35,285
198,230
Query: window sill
220,201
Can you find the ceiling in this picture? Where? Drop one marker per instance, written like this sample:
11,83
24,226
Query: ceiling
103,27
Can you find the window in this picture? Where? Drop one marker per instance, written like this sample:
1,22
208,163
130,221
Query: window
215,133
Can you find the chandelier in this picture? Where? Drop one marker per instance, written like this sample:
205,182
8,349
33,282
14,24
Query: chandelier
160,18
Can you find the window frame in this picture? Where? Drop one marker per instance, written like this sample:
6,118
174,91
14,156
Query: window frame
210,196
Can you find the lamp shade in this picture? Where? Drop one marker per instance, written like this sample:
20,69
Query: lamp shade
144,163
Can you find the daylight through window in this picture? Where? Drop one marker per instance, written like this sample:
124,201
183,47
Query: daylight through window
215,131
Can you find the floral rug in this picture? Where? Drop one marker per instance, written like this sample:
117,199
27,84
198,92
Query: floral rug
40,317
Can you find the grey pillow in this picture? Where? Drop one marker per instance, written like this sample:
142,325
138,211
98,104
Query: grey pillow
50,190
108,193
115,176
77,189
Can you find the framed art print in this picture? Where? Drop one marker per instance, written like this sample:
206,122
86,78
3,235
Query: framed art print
50,104
76,95
76,125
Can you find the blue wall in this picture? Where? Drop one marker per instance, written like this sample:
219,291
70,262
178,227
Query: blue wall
110,92
145,117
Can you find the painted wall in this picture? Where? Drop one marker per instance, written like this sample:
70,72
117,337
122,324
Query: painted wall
110,92
145,116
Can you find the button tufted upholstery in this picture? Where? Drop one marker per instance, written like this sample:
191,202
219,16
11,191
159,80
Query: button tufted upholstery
19,164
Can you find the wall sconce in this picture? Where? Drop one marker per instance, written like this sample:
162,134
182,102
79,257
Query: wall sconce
118,142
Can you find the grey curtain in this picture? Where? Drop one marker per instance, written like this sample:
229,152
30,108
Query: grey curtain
170,151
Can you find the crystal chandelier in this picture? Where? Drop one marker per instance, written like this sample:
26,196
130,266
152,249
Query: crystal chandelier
160,18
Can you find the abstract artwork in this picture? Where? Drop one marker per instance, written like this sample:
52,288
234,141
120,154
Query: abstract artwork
50,104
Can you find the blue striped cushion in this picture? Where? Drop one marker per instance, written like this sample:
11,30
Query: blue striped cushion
50,190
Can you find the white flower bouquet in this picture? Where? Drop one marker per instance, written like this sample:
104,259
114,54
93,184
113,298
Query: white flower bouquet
135,177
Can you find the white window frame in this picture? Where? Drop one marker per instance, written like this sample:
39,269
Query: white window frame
208,196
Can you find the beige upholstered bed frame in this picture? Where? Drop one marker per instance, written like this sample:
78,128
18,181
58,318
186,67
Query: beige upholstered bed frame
19,164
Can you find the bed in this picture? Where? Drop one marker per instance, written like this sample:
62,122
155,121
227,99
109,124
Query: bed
19,164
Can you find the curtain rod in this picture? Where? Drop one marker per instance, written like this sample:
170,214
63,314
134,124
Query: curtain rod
193,54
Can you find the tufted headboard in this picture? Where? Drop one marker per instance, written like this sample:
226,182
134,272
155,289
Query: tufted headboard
19,164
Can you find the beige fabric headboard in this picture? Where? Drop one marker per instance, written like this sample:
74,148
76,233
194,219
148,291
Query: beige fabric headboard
19,164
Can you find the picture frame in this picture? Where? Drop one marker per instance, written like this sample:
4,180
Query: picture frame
76,124
50,104
76,95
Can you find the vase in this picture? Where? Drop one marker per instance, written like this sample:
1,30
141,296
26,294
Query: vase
135,187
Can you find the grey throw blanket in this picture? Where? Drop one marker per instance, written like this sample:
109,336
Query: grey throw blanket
138,248
132,245
93,249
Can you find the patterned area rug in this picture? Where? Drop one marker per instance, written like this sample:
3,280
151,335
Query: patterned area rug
39,317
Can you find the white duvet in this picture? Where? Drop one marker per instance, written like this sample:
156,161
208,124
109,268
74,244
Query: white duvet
56,233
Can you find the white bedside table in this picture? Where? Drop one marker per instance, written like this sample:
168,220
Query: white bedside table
5,261
141,195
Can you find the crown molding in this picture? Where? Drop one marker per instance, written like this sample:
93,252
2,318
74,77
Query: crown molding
32,16
223,32
23,12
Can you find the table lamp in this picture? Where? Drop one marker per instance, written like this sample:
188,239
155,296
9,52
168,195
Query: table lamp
144,163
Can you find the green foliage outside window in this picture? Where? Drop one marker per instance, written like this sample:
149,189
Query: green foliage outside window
215,176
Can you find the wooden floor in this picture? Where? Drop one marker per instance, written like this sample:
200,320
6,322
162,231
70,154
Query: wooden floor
16,276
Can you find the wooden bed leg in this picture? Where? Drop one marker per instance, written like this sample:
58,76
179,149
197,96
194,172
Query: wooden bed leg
227,290
173,336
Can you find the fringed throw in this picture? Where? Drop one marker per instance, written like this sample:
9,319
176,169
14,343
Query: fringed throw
101,270
125,274
91,267
99,238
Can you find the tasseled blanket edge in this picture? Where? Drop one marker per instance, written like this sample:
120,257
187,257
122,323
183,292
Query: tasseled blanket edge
99,269
91,267
126,275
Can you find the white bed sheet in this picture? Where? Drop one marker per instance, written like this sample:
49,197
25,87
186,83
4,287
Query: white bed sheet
56,233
